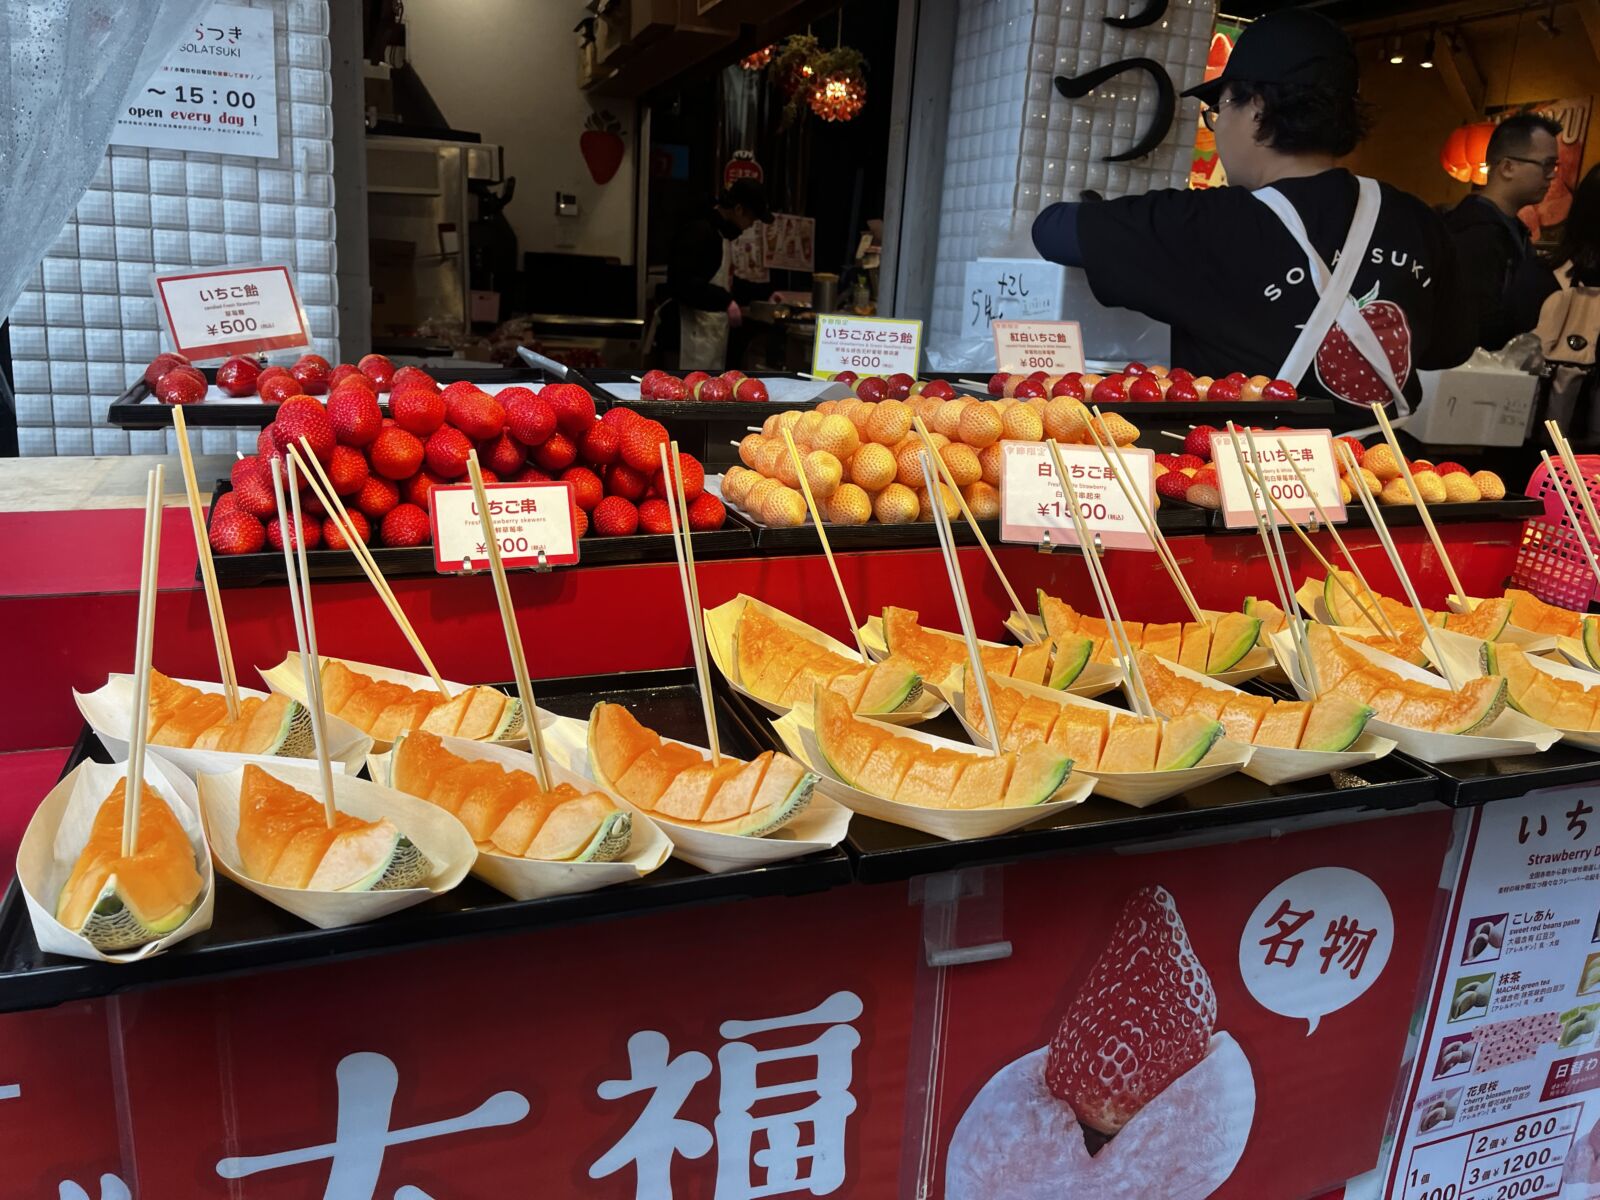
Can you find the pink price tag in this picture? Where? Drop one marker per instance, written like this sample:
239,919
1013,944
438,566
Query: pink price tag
1033,503
237,310
1054,347
530,519
1309,449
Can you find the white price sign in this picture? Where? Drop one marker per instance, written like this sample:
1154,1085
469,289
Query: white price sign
1033,503
235,310
1309,449
1055,347
530,519
866,345
1011,289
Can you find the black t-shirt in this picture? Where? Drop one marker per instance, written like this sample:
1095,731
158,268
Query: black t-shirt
1221,269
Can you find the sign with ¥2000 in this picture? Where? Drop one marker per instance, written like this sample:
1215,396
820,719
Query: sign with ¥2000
1055,347
530,519
866,345
1033,502
234,310
216,93
1309,449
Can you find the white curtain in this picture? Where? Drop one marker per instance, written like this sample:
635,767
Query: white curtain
70,66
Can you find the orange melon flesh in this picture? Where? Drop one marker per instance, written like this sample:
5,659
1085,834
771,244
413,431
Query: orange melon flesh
762,642
1131,745
1283,724
934,654
298,862
619,740
887,767
1033,663
1533,614
1388,700
521,825
1080,734
1032,724
689,794
736,796
356,846
1196,646
445,719
1242,716
1006,702
778,782
265,720
158,881
284,840
653,772
982,783
203,710
268,819
1206,702
851,684
407,712
364,707
1060,618
931,778
457,784
848,756
488,803
771,676
807,680
572,825
339,683
1163,641
1418,705
1170,692
482,717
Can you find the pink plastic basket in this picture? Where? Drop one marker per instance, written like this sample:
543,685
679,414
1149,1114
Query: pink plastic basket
1550,562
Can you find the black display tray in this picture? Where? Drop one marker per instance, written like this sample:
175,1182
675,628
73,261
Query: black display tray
248,570
249,935
1512,508
1172,520
1465,784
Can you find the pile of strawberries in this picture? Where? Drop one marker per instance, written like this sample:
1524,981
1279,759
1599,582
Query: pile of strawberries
1141,384
698,385
385,467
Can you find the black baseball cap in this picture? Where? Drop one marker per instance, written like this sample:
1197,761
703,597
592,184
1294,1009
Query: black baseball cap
1289,46
750,194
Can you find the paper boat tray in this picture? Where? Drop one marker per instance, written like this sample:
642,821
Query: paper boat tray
1309,594
286,679
722,624
59,830
820,825
800,738
1510,734
1463,654
1573,653
1096,679
531,878
1141,789
435,832
1256,663
109,708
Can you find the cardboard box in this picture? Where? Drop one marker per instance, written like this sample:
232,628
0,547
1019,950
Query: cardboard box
588,63
392,265
611,35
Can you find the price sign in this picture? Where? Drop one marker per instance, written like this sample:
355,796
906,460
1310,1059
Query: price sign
1033,503
237,310
528,518
866,345
1011,289
1309,449
1055,347
216,93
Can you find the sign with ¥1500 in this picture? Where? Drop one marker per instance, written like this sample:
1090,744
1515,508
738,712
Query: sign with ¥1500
536,523
1055,347
1033,503
234,310
216,93
1311,450
866,345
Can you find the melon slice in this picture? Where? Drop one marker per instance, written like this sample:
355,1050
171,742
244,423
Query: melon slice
117,902
736,796
931,779
1206,702
1038,773
1196,648
688,795
1007,703
1334,723
1533,614
521,825
1131,746
1233,635
892,685
983,783
1186,741
1033,663
583,828
1242,715
1476,705
1389,699
190,720
1060,619
445,719
1163,641
786,787
452,789
405,713
366,705
1169,692
1032,724
1073,652
1284,724
339,683
652,773
482,717
851,685
483,808
887,766
616,740
1271,616
1487,621
359,856
1080,734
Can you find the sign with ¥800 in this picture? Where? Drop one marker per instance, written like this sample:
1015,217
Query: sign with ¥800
1055,347
1309,449
536,523
1033,502
866,345
233,310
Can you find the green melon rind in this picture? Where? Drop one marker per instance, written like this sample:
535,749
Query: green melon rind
1330,592
297,738
1495,706
1217,663
903,693
1053,783
1197,750
112,925
1071,656
406,867
1591,640
1346,735
512,727
610,841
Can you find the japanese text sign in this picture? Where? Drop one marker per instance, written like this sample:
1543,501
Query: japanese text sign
235,310
217,92
866,345
528,518
1033,503
1011,289
1055,347
1309,449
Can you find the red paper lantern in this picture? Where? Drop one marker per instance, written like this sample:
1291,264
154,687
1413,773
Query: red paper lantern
1465,153
839,95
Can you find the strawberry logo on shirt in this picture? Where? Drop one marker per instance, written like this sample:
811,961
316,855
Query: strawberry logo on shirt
1342,369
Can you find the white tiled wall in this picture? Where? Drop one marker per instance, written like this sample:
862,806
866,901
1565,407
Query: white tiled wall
1016,145
86,325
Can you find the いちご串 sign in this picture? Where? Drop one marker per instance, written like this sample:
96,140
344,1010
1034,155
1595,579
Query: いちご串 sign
530,520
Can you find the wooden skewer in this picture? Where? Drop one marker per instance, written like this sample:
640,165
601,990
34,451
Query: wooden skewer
299,598
313,472
1416,498
144,638
678,516
208,569
958,589
1382,618
972,521
1370,503
1572,516
827,550
508,618
1564,448
1146,518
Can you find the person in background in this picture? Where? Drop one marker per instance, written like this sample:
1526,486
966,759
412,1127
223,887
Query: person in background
699,274
1239,272
1569,322
1506,280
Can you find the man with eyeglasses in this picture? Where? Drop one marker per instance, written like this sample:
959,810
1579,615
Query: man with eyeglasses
1507,282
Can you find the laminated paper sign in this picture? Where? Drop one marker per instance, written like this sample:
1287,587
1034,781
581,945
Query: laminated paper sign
1033,503
1311,450
1055,347
530,519
866,345
235,310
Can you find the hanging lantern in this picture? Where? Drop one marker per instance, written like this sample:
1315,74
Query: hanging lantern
1465,153
838,95
758,60
793,66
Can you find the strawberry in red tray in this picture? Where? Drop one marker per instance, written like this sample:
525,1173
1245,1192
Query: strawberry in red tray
1349,376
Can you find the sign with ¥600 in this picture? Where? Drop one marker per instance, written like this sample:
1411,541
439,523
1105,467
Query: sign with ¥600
530,519
1309,449
1033,502
1055,347
866,345
233,310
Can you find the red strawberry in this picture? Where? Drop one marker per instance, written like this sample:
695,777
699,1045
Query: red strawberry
1145,389
237,376
1198,443
556,454
409,375
355,415
1142,1018
406,525
693,380
346,371
532,474
1113,389
275,389
1028,389
334,539
1342,369
395,453
160,365
530,419
310,530
600,445
574,408
601,145
504,454
236,531
672,388
478,415
1279,390
1226,390
310,504
347,468
615,517
1069,385
580,520
640,445
648,382
622,480
181,385
1204,490
304,417
753,391
377,495
1193,461
420,486
447,452
267,449
1169,461
655,517
313,373
379,369
1182,391
619,418
587,490
706,513
694,478
226,503
1450,468
1205,475
1172,486
715,391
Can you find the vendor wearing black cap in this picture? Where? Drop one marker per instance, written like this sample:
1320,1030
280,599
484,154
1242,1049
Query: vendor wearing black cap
1297,270
700,270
